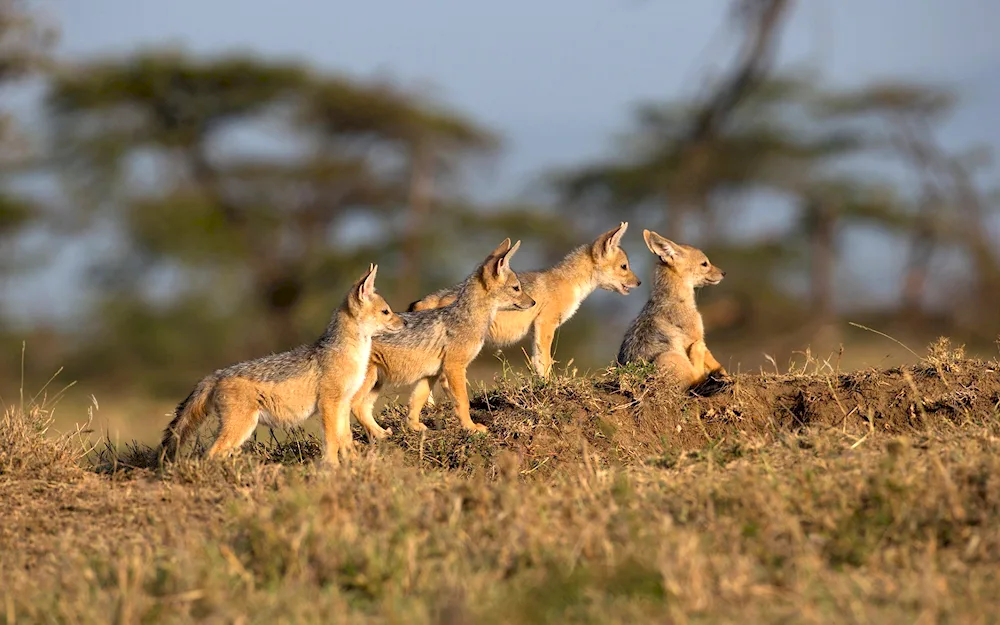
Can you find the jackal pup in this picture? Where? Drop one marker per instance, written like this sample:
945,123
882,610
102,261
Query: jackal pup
287,388
559,291
442,341
669,331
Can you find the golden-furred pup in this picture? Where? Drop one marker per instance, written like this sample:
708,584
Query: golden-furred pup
669,331
442,342
286,389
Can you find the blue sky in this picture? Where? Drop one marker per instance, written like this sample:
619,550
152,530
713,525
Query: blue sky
556,77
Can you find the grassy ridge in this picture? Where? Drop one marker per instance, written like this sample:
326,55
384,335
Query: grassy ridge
813,496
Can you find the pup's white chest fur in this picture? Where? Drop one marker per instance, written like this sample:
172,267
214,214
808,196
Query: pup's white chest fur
580,293
359,366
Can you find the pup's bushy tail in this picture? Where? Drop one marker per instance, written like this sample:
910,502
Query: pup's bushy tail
189,415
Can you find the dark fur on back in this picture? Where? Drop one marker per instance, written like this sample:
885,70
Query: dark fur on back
528,280
273,367
433,327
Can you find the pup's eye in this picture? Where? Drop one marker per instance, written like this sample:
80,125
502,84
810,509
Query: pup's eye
624,266
705,264
516,288
385,312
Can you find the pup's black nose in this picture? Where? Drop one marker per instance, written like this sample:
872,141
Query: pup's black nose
723,274
638,282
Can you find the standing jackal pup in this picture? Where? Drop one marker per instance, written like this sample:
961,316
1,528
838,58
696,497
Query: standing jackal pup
442,341
559,292
669,331
286,389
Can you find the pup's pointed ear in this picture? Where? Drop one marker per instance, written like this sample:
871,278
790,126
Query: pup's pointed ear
605,244
366,286
501,249
664,248
502,265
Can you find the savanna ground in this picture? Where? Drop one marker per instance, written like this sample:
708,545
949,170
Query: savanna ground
814,495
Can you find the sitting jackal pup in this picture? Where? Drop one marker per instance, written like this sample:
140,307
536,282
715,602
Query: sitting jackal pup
286,389
669,331
441,341
559,292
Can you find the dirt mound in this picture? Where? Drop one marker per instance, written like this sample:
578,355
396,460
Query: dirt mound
625,417
628,416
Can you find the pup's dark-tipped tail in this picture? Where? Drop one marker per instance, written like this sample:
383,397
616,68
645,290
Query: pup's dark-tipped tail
189,415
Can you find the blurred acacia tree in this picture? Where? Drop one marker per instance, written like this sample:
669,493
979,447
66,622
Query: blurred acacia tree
151,144
431,142
223,176
695,163
139,140
949,209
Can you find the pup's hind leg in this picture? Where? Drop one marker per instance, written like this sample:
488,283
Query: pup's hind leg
418,397
455,373
697,355
443,385
238,413
678,366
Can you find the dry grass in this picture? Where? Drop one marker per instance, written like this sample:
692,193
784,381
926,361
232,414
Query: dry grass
806,496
